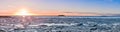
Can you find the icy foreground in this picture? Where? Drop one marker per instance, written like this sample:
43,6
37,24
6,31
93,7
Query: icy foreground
59,24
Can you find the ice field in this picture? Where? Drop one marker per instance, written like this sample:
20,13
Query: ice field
59,24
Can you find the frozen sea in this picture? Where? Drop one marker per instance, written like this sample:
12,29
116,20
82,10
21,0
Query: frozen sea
60,24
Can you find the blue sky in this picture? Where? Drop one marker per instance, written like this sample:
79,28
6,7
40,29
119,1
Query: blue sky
95,6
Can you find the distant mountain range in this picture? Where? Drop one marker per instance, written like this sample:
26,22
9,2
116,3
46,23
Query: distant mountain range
91,14
115,15
81,14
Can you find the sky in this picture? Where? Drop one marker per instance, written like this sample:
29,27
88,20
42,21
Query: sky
55,7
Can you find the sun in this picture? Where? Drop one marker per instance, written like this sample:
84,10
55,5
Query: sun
23,12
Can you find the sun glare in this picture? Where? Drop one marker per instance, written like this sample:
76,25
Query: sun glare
23,12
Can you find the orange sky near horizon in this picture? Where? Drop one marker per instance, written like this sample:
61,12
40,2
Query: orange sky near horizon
43,13
48,13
